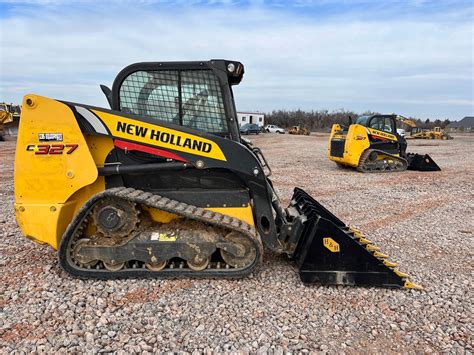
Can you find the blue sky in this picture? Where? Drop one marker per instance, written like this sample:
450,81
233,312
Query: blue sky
414,58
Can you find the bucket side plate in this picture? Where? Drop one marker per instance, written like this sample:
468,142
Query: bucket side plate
331,253
420,162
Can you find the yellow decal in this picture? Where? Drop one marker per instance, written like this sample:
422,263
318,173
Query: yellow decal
382,134
162,237
159,136
331,244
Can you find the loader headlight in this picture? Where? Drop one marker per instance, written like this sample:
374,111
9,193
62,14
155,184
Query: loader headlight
231,67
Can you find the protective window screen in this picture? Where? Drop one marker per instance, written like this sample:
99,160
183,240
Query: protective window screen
191,98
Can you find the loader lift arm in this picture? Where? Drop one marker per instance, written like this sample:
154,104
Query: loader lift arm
407,121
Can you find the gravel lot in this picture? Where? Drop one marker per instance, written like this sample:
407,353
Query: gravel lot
424,221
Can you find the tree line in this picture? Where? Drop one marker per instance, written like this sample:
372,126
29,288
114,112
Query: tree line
323,120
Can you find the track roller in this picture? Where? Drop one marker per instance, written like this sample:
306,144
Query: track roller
113,266
156,266
200,265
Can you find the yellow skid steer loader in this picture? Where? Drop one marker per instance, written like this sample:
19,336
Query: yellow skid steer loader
162,185
372,145
9,117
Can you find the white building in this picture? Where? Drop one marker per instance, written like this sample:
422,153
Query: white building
250,117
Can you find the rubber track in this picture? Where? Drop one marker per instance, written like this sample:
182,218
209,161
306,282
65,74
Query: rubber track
165,204
362,167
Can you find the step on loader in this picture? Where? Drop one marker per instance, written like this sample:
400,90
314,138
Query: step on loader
162,185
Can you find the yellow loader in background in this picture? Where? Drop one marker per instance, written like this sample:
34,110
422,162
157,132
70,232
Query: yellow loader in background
435,133
299,130
9,118
372,144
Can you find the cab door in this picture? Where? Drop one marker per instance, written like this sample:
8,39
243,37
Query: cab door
383,134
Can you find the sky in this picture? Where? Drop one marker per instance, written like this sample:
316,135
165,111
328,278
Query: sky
413,57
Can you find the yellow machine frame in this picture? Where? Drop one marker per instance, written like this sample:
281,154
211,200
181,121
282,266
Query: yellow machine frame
71,178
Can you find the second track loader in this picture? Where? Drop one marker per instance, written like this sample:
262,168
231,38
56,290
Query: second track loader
299,131
373,145
162,185
9,117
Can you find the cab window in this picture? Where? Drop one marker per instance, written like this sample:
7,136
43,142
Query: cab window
191,98
381,123
362,120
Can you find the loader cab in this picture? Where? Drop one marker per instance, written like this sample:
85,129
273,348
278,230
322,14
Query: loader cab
382,123
195,99
197,95
383,133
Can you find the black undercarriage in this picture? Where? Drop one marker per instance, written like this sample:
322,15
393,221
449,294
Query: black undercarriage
200,243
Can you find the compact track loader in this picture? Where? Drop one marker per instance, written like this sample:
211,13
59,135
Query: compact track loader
5,118
162,185
9,117
373,145
299,130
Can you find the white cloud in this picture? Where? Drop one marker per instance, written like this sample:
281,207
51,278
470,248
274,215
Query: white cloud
412,65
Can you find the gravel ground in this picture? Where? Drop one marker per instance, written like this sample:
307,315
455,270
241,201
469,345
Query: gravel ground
422,220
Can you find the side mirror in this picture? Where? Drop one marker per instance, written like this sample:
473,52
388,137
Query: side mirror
108,94
350,121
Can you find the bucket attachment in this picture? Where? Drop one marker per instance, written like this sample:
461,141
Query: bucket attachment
421,162
331,253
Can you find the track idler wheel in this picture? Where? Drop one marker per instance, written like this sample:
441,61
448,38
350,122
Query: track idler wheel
373,156
77,247
248,255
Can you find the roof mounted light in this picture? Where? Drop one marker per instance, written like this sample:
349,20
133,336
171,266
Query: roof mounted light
231,67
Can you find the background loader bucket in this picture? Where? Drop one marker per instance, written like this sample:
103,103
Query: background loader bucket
421,162
331,253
